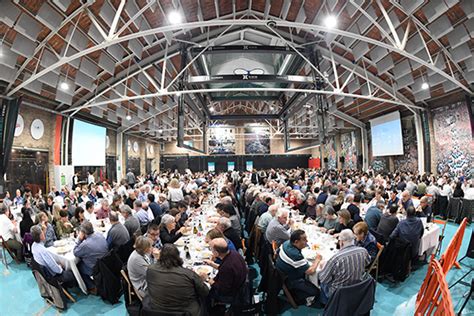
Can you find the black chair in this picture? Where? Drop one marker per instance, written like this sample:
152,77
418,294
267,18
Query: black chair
356,299
124,251
107,277
467,210
454,209
51,288
379,237
441,206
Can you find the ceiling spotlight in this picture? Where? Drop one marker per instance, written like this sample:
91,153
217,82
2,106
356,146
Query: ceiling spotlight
174,17
211,109
330,21
425,85
160,131
128,117
64,86
178,94
272,108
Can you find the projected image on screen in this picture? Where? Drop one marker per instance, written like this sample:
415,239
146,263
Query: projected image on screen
386,134
88,144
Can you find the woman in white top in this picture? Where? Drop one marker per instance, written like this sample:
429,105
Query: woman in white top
175,193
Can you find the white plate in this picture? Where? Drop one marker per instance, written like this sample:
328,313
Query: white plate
180,242
60,243
309,253
205,254
203,269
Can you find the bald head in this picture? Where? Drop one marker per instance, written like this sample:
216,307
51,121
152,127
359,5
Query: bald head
273,209
219,247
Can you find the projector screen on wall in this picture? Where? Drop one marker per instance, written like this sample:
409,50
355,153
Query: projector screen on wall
386,134
88,144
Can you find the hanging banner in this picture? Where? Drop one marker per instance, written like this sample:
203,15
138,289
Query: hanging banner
249,165
211,166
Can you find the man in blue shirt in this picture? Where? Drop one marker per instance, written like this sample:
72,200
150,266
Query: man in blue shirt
89,248
291,262
410,229
393,198
45,259
373,215
155,207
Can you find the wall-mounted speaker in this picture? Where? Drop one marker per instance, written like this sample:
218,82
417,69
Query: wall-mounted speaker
341,159
326,159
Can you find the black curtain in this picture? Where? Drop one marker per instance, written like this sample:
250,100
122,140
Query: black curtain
8,115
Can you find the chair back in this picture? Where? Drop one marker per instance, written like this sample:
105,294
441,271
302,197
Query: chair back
274,248
454,209
375,264
428,301
289,296
355,299
273,285
379,237
257,241
467,210
5,247
470,248
449,257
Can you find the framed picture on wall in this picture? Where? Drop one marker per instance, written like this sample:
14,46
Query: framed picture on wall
230,166
257,140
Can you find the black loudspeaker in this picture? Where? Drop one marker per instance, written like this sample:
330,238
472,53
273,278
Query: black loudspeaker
341,159
326,159
360,159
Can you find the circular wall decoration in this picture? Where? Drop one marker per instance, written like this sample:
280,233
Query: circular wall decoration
20,125
37,129
151,150
129,145
135,147
107,142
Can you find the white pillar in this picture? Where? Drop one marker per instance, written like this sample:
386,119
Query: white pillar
365,148
420,143
119,160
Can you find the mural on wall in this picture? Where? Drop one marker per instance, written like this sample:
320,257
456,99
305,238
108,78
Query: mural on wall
221,140
379,164
409,160
453,139
349,150
330,150
257,140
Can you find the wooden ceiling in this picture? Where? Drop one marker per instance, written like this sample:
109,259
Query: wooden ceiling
25,24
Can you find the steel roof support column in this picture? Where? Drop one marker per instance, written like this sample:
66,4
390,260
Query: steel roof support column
420,142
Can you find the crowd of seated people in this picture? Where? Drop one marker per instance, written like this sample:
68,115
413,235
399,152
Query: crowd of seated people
152,212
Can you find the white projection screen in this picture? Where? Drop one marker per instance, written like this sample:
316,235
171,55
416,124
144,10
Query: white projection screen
386,134
88,144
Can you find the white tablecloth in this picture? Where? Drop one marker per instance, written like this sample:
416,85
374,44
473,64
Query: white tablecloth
69,261
318,242
430,238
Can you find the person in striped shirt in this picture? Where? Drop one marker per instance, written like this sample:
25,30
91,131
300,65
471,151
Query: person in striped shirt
344,268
